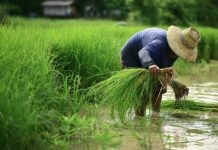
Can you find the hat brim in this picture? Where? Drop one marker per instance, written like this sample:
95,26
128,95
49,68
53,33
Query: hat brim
177,47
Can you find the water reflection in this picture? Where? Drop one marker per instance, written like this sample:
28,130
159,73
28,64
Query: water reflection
144,133
155,135
205,92
167,133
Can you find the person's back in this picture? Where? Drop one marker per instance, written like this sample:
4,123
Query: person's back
147,43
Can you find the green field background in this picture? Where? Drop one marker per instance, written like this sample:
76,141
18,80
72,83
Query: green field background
44,67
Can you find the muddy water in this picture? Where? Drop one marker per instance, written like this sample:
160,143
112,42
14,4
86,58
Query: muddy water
164,132
167,133
189,135
204,92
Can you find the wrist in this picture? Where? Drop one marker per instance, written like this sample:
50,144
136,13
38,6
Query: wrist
150,63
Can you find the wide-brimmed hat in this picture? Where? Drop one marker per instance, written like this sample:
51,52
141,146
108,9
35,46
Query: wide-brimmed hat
184,42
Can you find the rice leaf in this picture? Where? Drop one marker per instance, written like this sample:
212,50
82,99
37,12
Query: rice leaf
126,90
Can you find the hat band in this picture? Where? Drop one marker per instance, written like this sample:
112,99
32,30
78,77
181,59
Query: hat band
184,42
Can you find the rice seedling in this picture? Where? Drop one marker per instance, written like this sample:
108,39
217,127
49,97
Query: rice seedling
126,89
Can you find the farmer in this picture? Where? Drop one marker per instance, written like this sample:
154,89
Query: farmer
155,48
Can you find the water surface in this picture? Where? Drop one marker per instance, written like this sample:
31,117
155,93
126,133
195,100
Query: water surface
204,92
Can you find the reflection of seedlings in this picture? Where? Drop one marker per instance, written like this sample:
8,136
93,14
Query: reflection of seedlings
196,131
183,115
215,110
107,139
148,133
187,141
212,120
137,136
214,125
215,132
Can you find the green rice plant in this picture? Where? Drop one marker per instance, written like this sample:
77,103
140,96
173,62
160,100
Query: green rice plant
126,89
44,64
87,51
25,85
33,95
208,44
189,105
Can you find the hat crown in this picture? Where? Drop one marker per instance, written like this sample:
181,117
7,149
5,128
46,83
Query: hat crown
184,42
190,37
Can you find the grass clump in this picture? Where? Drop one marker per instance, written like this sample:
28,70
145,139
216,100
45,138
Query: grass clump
36,98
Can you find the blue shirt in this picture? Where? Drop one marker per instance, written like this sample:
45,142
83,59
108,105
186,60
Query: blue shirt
147,47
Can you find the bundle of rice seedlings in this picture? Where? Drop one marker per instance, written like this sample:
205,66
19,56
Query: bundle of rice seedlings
124,90
180,90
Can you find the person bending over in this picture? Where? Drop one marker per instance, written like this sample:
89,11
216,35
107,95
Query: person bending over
156,48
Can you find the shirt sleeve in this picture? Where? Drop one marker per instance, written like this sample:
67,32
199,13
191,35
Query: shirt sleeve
147,52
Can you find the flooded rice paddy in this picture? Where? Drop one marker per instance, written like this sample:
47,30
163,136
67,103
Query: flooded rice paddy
173,132
168,133
172,129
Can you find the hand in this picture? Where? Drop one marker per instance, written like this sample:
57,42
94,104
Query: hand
154,69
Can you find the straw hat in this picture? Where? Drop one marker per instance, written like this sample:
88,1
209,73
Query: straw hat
184,42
